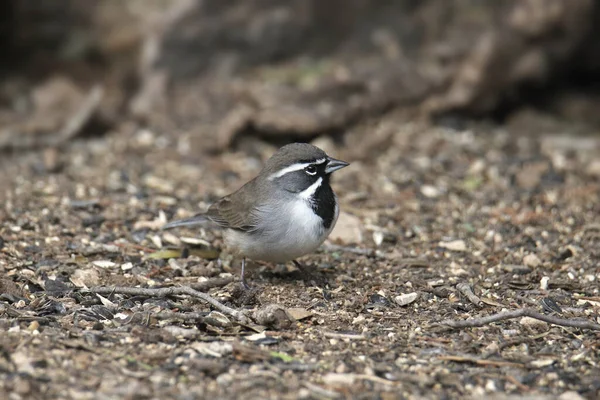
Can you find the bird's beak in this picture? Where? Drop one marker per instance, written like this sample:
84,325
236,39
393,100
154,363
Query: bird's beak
333,165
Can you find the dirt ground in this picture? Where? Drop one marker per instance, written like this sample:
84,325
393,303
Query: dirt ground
466,259
435,213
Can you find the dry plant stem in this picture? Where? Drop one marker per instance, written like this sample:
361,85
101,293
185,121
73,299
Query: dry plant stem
524,312
192,316
173,291
211,283
466,290
479,361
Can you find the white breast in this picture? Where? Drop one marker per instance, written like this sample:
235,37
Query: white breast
287,233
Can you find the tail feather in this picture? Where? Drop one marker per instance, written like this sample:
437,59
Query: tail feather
199,219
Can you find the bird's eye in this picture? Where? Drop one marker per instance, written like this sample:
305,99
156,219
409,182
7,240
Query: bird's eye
310,170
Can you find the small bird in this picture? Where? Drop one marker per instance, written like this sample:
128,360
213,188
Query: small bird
285,212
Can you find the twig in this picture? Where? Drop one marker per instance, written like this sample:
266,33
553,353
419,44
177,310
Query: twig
321,392
174,291
211,283
351,378
482,362
515,381
350,336
146,318
191,316
466,290
523,312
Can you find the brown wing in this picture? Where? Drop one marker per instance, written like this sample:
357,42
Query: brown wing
235,211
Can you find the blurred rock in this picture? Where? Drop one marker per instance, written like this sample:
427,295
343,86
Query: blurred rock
531,260
347,229
216,70
454,245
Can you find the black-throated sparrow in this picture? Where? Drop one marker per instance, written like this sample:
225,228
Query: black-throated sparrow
285,212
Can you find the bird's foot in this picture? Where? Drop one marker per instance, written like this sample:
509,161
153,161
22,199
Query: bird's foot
309,276
244,285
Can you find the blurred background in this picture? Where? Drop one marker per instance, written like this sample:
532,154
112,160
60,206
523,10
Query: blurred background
119,89
212,72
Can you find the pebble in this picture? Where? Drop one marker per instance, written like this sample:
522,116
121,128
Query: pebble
593,168
571,395
335,379
544,362
347,229
430,191
454,245
103,263
127,266
531,260
87,277
406,299
378,238
531,322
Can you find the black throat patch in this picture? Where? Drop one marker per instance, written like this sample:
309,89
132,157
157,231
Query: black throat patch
323,202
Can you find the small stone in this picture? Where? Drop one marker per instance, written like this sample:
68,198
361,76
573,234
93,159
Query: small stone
103,263
194,241
33,326
87,277
334,379
593,168
531,175
571,395
159,184
406,299
544,362
156,241
217,318
531,260
171,239
544,283
299,313
127,266
457,270
531,322
378,238
430,191
256,337
454,245
273,316
490,386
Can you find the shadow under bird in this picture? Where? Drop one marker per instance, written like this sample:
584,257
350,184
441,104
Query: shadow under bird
285,212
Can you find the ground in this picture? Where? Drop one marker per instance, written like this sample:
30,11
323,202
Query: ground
437,224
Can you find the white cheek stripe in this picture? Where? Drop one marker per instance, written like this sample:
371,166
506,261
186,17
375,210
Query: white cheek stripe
308,193
295,167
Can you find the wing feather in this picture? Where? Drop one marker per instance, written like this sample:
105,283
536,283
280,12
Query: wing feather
235,212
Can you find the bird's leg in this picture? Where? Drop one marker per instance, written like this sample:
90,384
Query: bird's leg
244,283
308,275
301,267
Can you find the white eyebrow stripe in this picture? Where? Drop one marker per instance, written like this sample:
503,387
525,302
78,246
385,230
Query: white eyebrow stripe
310,191
295,167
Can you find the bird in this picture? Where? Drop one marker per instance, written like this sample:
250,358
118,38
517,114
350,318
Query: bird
285,212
